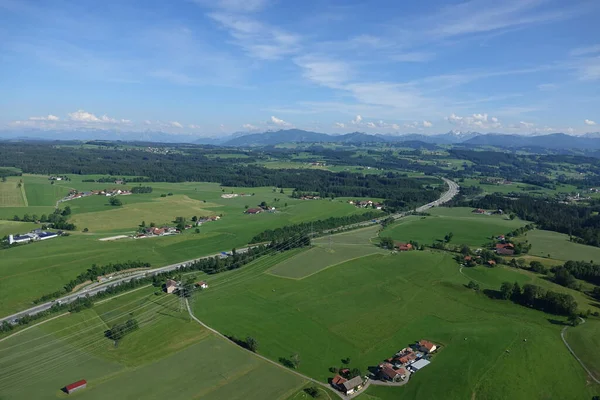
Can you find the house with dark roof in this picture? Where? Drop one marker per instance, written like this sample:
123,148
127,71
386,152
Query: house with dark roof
253,211
505,251
170,286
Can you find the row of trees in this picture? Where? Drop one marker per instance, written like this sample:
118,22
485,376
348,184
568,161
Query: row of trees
58,219
587,271
306,228
141,189
539,298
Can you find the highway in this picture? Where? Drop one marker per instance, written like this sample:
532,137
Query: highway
91,291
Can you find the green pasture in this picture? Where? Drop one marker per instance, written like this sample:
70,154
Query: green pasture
10,194
584,339
328,251
42,192
12,227
367,309
468,228
557,246
168,351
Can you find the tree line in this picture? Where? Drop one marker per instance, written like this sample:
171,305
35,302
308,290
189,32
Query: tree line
58,219
539,298
141,189
580,222
400,191
318,226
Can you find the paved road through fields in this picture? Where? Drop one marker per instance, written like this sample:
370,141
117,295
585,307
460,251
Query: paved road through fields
91,291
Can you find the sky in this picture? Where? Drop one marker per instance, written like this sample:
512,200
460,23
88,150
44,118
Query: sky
213,67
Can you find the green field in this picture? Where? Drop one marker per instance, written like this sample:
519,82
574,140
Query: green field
557,246
168,352
328,251
41,192
10,194
27,272
368,308
585,342
468,228
12,227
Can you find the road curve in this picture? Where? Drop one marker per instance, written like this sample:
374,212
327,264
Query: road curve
445,197
562,336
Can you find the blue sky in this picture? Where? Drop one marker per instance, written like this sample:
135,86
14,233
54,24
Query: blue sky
210,67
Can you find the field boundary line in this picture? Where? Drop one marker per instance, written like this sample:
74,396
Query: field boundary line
33,326
24,195
321,270
562,336
219,334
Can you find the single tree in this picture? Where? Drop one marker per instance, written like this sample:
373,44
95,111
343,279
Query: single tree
252,344
574,319
506,290
115,202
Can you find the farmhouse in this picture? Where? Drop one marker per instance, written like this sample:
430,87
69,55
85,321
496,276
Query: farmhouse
353,385
388,373
170,286
505,252
31,236
426,346
403,246
201,285
479,211
82,384
254,211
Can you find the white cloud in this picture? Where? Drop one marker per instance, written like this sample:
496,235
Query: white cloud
371,125
570,130
279,122
589,122
526,125
192,126
257,39
419,125
357,120
427,124
339,125
147,122
325,72
475,121
250,127
176,124
546,87
87,117
582,51
49,117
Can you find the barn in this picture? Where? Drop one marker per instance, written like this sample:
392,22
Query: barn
82,384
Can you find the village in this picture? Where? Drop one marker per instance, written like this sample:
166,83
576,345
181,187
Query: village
366,204
393,371
74,194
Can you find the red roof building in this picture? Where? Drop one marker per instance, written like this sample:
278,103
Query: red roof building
426,345
338,381
468,258
403,246
82,384
253,210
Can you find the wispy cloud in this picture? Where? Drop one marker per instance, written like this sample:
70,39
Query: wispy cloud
474,121
589,122
582,51
279,122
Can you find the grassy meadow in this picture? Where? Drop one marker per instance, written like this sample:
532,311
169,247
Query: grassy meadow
368,308
557,246
168,351
30,270
468,228
585,342
10,194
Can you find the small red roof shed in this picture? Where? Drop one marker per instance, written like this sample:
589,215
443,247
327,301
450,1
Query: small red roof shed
76,386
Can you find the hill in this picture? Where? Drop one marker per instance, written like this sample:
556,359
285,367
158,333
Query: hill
555,141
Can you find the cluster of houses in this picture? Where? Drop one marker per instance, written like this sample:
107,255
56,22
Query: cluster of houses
156,231
366,204
171,285
258,210
203,220
310,197
35,235
406,362
74,194
57,178
396,369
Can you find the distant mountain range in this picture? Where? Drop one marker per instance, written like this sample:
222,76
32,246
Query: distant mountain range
554,141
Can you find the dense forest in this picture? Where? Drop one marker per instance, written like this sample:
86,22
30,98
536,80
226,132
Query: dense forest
399,190
581,222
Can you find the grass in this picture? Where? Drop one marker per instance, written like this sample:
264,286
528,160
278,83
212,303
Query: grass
12,227
169,356
344,247
468,228
557,246
10,194
368,308
40,191
28,271
585,342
